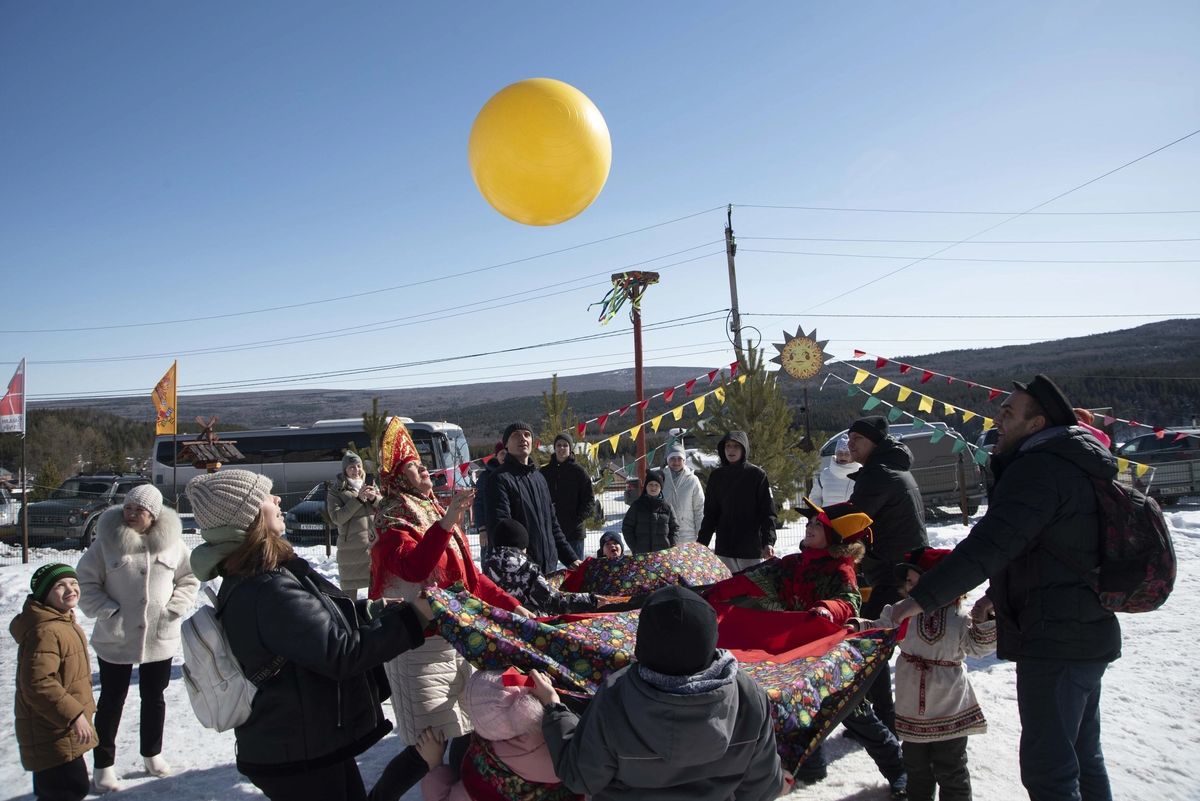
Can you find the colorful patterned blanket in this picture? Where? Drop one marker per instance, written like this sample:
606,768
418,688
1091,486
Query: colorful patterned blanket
811,671
691,564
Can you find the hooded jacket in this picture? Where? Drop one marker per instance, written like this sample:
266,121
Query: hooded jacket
323,705
1043,498
354,519
571,492
686,496
650,524
54,685
738,506
519,491
886,490
638,742
139,587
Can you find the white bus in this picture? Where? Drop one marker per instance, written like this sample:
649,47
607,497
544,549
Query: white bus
298,458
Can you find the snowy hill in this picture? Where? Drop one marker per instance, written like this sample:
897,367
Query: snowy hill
1150,719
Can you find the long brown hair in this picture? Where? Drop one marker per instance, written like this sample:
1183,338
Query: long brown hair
261,551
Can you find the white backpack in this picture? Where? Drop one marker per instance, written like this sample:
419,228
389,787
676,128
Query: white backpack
220,692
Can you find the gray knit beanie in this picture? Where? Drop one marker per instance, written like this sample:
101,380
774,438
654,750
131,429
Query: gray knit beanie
146,496
228,498
351,458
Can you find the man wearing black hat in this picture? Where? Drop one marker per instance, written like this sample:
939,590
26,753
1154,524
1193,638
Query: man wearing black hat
571,492
681,722
1042,510
885,489
519,491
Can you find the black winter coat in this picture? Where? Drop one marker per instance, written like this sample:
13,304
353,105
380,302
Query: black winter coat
738,505
323,706
886,490
571,491
519,491
1043,496
650,524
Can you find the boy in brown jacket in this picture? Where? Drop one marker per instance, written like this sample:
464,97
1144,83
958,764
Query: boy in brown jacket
54,705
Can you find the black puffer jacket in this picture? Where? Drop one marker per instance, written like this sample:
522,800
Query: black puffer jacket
520,492
886,490
1043,496
738,505
650,524
323,705
571,491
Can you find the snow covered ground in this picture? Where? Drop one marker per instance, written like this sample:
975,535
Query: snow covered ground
1150,714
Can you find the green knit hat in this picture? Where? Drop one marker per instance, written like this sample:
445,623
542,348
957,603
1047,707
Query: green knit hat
46,576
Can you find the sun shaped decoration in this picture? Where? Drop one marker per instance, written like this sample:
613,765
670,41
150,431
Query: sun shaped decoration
801,356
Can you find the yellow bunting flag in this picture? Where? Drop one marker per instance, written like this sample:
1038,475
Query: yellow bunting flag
967,415
677,412
594,451
699,404
880,384
903,394
1122,464
633,432
612,442
655,423
988,424
164,403
1141,470
719,394
949,408
741,379
926,404
860,376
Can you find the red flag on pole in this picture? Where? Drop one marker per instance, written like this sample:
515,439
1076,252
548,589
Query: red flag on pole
12,405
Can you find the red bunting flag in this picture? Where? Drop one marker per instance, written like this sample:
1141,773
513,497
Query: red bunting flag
579,429
949,379
1134,423
668,394
993,394
643,404
904,368
712,375
880,362
971,385
624,409
489,458
689,386
1179,436
463,468
858,354
732,369
1109,419
1159,432
602,419
925,376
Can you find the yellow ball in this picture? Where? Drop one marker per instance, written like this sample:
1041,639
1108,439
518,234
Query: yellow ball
540,151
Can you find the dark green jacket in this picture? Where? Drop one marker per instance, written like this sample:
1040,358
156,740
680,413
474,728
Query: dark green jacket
1043,496
886,490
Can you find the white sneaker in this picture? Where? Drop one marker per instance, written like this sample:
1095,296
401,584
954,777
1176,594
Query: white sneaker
104,780
157,766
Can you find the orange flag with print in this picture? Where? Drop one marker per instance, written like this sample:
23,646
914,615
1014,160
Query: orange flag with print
165,418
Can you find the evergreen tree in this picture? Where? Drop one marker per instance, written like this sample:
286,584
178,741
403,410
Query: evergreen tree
375,424
557,417
49,475
757,406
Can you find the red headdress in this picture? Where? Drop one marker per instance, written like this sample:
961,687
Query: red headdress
396,450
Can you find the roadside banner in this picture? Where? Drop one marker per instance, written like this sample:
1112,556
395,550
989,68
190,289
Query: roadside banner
12,405
164,403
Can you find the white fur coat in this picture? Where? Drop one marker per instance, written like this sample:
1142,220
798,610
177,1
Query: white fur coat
139,587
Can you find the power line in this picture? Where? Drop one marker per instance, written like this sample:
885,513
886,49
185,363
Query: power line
1008,219
677,322
986,213
1000,261
451,312
366,293
973,316
972,242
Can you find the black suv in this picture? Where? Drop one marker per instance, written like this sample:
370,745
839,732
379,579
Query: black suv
1175,458
308,520
71,511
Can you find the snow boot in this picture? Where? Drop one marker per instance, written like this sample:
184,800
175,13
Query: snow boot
157,766
104,780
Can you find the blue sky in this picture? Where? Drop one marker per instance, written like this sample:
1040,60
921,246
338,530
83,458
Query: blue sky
167,161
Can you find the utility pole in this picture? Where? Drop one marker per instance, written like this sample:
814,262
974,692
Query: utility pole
735,322
634,286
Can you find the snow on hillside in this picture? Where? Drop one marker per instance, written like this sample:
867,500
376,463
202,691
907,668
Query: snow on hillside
1151,722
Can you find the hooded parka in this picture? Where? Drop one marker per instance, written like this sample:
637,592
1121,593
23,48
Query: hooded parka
571,492
737,505
355,521
685,494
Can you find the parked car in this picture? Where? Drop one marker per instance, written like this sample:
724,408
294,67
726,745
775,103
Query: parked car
936,467
307,520
1176,463
71,511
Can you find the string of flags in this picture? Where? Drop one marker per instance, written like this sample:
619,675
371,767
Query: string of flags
927,403
668,395
993,393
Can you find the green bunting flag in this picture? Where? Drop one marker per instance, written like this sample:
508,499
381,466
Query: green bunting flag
871,403
895,414
981,457
851,391
937,435
960,445
918,423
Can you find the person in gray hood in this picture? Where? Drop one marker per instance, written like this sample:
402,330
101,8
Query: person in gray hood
681,723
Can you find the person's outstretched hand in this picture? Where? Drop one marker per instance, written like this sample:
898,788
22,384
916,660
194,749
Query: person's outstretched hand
543,690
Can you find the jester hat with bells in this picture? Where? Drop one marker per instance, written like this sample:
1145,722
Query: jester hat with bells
841,520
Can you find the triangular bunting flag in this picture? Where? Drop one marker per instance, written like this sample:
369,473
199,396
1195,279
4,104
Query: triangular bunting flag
579,429
968,416
925,376
594,451
880,362
949,379
1109,419
612,442
601,420
741,379
1141,470
655,423
894,414
880,384
1122,464
949,409
960,445
858,354
860,376
712,375
926,404
903,394
987,424
624,409
699,404
971,385
937,434
852,390
871,403
719,394
981,457
633,432
689,386
918,423
1179,436
904,368
643,404
732,369
489,458
677,413
464,468
1159,432
668,394
993,394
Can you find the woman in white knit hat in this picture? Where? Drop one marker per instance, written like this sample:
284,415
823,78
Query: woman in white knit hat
136,580
309,647
351,504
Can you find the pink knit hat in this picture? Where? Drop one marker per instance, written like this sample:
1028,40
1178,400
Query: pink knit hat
499,712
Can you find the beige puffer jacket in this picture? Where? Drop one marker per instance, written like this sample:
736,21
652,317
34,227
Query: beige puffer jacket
356,531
